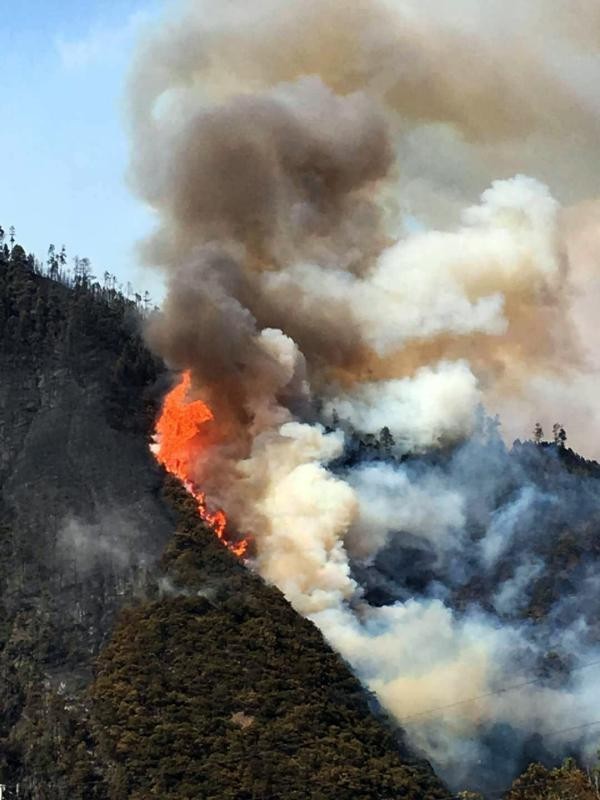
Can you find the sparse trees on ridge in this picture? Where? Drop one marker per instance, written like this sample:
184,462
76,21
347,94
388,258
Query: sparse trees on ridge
559,435
79,276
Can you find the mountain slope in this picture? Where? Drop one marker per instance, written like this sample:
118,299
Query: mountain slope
209,685
219,690
81,523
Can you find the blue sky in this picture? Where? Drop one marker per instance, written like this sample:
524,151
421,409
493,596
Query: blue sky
63,66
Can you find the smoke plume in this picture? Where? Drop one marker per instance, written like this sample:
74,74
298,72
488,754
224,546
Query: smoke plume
346,249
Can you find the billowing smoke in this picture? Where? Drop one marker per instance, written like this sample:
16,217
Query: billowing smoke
347,249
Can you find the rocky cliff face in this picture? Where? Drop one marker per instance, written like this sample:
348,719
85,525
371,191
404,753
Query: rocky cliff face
80,513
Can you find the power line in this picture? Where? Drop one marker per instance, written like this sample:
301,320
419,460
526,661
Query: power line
504,690
574,728
498,793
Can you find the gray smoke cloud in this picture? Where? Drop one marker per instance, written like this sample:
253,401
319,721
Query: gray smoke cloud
356,230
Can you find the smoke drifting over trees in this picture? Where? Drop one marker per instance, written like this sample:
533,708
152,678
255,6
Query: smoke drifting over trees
346,247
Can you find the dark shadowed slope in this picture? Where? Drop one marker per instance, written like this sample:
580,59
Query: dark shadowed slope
81,520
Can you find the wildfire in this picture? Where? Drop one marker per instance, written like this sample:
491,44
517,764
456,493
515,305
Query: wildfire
177,444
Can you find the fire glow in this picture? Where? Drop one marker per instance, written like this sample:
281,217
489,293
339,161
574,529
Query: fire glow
177,444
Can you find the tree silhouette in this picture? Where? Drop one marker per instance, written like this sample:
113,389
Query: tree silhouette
386,441
560,435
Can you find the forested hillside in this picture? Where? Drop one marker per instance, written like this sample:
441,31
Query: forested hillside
80,517
138,658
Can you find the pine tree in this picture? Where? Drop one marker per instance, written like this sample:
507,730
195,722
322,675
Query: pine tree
387,442
559,434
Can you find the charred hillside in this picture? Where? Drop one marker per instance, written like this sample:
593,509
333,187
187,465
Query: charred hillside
138,658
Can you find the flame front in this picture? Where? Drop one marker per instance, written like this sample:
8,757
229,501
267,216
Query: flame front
177,444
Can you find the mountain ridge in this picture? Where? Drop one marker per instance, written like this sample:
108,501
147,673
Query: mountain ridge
85,519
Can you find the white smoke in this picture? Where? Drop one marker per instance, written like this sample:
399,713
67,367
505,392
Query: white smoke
438,404
299,513
390,502
313,281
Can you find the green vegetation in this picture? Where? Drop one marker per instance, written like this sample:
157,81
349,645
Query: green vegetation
567,782
221,691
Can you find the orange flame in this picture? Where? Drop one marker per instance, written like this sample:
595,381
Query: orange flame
177,443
